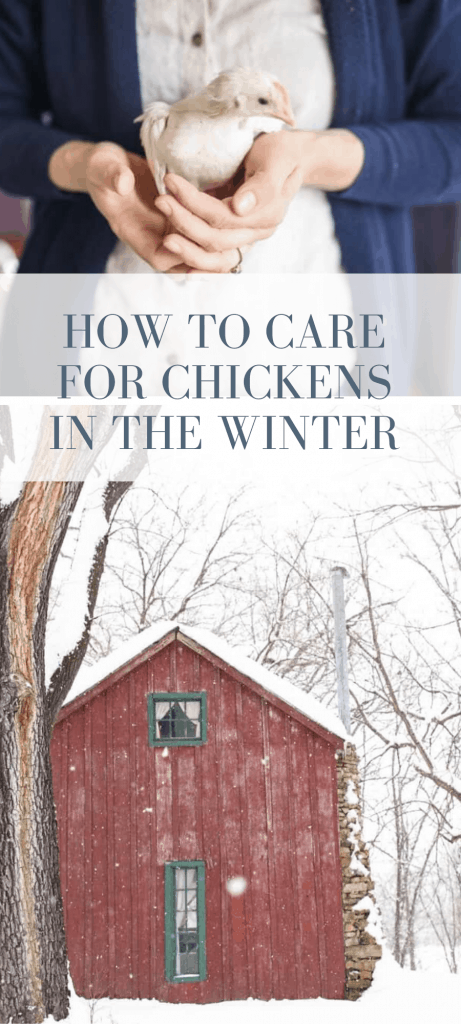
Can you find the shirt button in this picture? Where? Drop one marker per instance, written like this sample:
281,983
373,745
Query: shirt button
197,39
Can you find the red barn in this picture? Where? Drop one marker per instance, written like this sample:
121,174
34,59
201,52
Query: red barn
198,827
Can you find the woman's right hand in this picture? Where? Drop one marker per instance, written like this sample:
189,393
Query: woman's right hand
122,188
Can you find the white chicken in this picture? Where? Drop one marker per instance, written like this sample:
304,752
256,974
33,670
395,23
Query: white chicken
205,137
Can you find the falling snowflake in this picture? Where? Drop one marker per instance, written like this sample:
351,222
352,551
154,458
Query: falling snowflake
236,886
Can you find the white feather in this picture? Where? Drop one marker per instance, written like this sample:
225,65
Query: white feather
154,121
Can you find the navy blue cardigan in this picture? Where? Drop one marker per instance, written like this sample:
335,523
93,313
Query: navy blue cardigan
68,69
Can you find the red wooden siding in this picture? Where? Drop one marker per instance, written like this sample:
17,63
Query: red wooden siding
258,799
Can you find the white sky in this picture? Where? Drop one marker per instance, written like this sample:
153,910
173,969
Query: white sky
284,482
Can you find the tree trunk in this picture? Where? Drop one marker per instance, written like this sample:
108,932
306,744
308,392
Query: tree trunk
33,956
33,960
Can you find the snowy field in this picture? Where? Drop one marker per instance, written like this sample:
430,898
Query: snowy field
397,997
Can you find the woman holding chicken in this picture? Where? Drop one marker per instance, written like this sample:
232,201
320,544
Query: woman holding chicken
376,95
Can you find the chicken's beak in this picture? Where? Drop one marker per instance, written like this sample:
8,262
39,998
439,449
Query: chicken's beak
282,105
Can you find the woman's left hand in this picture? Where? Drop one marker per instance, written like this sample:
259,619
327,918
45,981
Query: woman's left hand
209,232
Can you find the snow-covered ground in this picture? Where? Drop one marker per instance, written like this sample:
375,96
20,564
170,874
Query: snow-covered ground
396,997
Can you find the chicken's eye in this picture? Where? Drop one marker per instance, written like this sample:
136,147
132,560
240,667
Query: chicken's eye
262,101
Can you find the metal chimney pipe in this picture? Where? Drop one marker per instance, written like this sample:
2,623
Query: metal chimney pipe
337,582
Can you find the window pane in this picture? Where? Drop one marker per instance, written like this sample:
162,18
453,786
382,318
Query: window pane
180,900
161,709
188,940
193,709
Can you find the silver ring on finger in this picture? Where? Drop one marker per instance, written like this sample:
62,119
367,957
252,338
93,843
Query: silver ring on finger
238,266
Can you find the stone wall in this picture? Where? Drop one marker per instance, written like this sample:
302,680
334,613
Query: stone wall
360,915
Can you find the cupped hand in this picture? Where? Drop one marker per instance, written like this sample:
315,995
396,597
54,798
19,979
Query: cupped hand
123,189
209,231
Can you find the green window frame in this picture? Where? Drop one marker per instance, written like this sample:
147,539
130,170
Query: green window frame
178,726
185,923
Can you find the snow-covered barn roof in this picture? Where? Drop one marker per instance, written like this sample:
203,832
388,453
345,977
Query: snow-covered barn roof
134,647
